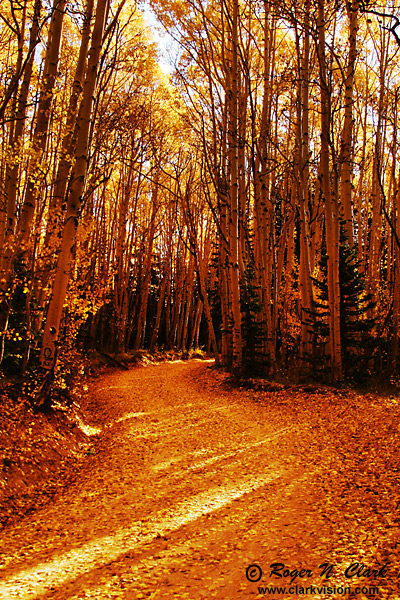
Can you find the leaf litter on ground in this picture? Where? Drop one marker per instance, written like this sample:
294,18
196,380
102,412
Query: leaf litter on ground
193,479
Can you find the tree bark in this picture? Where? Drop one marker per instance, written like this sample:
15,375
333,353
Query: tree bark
63,271
36,169
346,151
331,208
234,198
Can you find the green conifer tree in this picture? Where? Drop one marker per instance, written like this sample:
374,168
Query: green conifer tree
253,329
356,324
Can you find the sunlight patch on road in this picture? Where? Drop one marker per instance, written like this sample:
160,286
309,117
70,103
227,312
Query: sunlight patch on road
215,458
164,428
34,582
131,415
163,561
166,464
161,417
88,429
234,453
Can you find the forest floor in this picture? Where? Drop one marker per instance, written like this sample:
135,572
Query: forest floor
189,480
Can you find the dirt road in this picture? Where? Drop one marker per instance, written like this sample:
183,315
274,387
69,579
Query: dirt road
191,482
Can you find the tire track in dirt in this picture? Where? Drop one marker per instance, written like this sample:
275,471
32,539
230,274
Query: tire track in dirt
190,483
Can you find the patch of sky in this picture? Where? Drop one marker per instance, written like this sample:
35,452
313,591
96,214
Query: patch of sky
168,46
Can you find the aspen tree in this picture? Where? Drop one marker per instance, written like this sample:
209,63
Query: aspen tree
121,291
262,207
302,176
395,344
188,299
160,304
346,150
36,167
394,260
68,144
206,305
144,288
330,203
375,232
16,26
359,199
234,195
201,259
64,263
18,102
194,338
9,216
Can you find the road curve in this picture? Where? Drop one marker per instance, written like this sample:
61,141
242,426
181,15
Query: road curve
190,483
